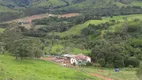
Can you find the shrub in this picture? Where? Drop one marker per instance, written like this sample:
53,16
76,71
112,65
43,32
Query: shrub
139,56
132,61
118,63
139,73
101,62
89,64
109,65
97,65
133,27
130,66
135,20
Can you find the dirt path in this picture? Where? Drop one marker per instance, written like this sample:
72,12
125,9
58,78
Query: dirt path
40,16
99,76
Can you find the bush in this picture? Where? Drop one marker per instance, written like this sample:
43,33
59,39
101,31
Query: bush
89,64
97,65
130,66
132,61
118,63
101,62
139,73
139,56
109,65
135,20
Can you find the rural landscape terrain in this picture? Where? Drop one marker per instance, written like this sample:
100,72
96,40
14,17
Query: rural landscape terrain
70,39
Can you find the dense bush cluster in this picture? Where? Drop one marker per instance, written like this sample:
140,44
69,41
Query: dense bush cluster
5,16
139,73
95,29
60,24
119,49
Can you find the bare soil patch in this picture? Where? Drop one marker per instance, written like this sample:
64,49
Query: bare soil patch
68,15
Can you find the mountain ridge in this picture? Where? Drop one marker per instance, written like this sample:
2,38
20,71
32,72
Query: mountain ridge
14,4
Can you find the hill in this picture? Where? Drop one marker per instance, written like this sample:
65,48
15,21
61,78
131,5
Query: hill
65,4
12,9
108,31
37,70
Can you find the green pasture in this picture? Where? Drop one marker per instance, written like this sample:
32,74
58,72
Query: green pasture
37,70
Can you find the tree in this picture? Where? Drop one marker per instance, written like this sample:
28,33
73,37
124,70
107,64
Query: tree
132,61
27,47
2,50
12,33
118,63
102,62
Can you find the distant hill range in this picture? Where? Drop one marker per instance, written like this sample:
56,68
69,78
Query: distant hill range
13,9
12,5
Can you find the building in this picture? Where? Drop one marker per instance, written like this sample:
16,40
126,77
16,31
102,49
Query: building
77,59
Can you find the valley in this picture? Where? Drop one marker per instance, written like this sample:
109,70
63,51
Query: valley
70,39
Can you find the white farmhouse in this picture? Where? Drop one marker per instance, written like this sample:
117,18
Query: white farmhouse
77,59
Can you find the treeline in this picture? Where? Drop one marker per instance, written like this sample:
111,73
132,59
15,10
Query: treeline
22,3
96,29
13,41
5,16
112,10
61,24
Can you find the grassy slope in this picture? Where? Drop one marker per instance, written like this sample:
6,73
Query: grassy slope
37,70
4,9
136,3
58,48
1,30
77,28
80,5
44,3
124,74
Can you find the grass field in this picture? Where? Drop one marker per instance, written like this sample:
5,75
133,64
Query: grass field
1,30
137,3
5,9
44,3
37,70
124,74
77,28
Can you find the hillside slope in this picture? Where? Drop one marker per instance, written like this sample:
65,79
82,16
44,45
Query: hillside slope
36,70
65,4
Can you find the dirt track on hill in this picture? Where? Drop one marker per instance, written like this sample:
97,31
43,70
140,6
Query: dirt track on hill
100,76
40,16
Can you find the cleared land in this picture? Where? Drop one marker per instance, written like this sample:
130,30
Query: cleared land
40,16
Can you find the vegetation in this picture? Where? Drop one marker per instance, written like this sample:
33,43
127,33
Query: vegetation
21,8
124,73
37,70
139,73
110,33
